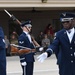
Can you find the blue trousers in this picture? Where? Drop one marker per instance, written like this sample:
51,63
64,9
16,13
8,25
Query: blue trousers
28,69
2,67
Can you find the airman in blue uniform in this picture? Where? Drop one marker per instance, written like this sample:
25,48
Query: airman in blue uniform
63,46
2,53
27,60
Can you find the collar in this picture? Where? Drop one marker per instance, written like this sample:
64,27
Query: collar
25,32
72,30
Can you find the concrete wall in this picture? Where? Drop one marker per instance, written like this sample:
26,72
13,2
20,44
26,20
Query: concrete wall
36,3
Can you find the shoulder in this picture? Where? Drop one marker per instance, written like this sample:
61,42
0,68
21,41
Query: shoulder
60,32
22,36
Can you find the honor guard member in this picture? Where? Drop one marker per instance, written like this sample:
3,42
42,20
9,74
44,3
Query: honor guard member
2,53
27,60
63,46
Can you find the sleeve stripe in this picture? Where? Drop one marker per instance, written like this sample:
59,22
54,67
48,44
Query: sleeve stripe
50,50
22,58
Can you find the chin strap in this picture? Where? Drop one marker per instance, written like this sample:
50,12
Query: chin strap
27,28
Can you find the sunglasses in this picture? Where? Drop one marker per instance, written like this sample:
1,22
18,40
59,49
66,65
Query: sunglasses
65,22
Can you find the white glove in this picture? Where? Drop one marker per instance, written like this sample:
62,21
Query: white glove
23,63
42,57
41,49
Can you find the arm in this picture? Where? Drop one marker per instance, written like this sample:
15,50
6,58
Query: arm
51,49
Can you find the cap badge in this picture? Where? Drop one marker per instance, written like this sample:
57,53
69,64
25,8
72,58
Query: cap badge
64,14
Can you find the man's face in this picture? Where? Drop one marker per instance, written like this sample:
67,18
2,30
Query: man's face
29,28
67,24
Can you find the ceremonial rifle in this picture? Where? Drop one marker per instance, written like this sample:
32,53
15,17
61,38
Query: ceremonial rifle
14,48
23,50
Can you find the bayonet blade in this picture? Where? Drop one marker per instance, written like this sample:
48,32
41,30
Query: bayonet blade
8,13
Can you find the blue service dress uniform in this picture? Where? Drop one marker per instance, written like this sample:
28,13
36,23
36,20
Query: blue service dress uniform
28,58
2,54
65,52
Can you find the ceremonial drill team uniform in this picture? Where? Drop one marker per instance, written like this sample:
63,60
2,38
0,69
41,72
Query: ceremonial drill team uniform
2,54
27,60
64,46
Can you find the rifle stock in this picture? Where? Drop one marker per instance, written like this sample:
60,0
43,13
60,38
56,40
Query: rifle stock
15,50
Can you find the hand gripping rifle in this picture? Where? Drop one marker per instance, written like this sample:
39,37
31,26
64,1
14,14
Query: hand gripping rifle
13,17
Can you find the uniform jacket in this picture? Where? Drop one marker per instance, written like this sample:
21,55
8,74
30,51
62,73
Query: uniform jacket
2,54
65,52
24,41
